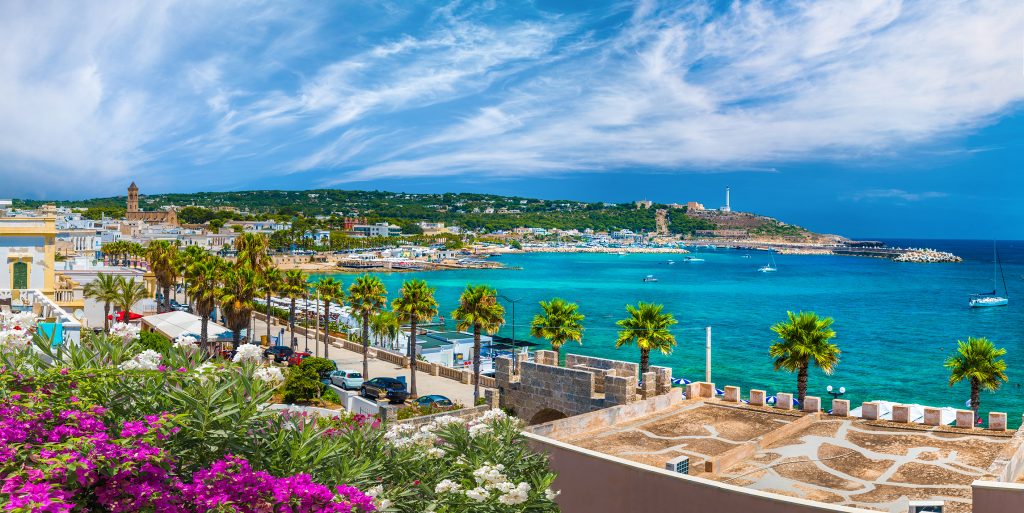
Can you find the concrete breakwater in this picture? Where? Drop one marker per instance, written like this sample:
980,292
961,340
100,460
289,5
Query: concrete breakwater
927,256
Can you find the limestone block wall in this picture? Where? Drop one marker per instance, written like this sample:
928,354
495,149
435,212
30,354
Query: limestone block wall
542,391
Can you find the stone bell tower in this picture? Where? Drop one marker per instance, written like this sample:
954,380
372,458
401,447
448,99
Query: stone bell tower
133,198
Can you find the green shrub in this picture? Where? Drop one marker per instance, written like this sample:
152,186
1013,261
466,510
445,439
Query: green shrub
302,384
322,366
154,341
330,396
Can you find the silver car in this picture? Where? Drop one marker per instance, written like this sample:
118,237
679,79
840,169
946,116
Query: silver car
347,379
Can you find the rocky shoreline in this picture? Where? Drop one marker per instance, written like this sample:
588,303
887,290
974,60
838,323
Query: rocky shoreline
927,256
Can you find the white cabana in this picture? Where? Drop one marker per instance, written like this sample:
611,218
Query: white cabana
174,324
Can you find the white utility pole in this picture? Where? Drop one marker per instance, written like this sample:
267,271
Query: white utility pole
707,355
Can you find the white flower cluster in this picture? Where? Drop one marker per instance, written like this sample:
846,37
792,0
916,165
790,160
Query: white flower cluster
146,360
375,491
248,353
490,479
186,343
272,375
125,331
552,494
20,320
207,371
404,435
447,486
13,339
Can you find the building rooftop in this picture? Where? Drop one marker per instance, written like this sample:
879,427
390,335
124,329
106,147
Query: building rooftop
871,464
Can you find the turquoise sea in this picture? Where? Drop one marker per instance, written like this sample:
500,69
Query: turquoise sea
896,322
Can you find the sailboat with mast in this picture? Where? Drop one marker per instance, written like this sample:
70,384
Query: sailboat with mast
987,299
769,268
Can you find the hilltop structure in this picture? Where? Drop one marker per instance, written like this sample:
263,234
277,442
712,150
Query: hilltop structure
168,216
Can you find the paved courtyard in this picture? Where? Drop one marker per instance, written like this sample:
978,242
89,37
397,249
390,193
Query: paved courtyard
875,465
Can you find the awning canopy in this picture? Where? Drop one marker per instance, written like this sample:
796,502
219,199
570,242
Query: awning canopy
119,316
175,324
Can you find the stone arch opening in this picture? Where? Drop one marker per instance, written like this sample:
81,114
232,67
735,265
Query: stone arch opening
546,415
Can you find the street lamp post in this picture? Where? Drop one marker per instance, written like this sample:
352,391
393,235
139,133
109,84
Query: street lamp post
515,349
835,394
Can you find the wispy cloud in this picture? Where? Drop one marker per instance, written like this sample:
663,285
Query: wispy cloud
94,93
896,194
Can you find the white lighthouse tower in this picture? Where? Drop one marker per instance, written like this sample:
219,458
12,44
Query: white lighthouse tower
726,208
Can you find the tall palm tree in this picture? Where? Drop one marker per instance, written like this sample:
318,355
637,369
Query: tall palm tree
271,283
203,278
252,251
188,257
559,322
367,296
330,290
478,310
104,288
163,260
385,327
129,292
238,288
804,338
648,328
977,361
414,304
294,287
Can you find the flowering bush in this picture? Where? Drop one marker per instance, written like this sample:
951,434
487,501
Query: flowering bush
18,320
248,353
14,339
87,428
125,331
186,343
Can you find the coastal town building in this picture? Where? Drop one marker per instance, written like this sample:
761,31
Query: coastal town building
376,230
168,216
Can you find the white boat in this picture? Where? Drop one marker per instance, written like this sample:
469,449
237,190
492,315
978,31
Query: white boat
694,259
989,299
769,268
650,278
671,262
620,253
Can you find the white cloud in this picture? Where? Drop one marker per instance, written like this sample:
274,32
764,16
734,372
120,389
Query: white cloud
98,92
896,194
682,88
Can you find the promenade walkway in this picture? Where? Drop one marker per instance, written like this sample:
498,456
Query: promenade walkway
350,360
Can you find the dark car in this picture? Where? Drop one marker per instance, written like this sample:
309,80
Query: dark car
296,358
385,388
433,400
278,353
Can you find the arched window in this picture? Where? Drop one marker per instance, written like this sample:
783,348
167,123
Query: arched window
20,277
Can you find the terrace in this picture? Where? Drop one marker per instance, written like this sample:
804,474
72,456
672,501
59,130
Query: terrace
777,454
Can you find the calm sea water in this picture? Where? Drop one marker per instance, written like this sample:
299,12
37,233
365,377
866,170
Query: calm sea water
896,322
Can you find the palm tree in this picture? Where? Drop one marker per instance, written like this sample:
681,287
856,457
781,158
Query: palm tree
414,304
647,327
978,361
104,288
252,251
129,292
804,338
330,290
367,296
163,260
203,278
385,326
186,259
294,287
559,322
478,310
271,283
238,288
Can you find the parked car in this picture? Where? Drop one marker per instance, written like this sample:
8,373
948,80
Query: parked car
433,400
296,358
385,388
181,307
346,379
278,353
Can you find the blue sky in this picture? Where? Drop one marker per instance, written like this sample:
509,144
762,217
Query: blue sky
866,118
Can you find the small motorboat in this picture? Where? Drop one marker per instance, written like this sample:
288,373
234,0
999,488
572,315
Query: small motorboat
650,278
671,262
694,260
